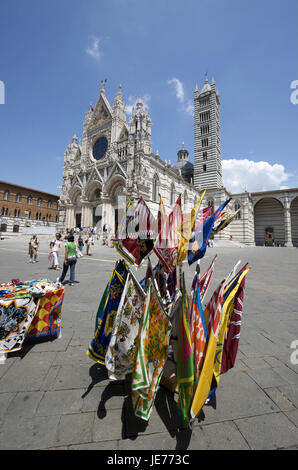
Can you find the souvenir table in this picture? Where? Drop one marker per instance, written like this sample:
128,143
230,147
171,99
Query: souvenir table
28,310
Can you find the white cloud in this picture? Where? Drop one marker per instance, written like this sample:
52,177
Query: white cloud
94,51
243,174
179,89
186,104
132,101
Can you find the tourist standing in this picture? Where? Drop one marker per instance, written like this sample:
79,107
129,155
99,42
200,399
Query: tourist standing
80,245
70,260
33,247
89,242
56,246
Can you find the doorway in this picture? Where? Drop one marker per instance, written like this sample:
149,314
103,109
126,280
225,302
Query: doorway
78,220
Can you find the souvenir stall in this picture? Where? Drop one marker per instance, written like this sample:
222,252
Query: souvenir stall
156,331
28,310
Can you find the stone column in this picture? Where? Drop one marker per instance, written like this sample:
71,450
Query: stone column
287,222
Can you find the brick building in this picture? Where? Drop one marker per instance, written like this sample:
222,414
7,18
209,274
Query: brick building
26,207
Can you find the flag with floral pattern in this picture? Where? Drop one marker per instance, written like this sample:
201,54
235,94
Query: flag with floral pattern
122,351
152,354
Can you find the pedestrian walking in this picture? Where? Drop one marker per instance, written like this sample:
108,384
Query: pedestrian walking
56,246
70,260
33,247
89,241
80,245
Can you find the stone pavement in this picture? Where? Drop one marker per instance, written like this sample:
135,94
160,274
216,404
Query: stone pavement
52,396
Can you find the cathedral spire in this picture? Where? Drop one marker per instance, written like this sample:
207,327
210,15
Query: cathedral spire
102,90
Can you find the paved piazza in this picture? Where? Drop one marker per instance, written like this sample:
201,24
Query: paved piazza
52,396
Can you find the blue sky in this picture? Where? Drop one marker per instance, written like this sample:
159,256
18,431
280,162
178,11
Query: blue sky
53,56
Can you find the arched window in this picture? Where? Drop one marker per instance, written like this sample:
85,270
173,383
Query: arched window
49,204
3,228
6,195
18,197
16,228
17,212
172,199
237,206
155,188
29,200
39,201
4,211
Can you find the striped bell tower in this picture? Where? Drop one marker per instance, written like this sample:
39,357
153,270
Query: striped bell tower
207,158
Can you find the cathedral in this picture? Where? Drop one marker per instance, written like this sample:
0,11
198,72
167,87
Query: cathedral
115,160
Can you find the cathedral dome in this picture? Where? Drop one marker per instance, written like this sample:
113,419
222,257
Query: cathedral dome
184,165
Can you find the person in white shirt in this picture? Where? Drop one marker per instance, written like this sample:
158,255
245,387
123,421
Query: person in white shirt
56,246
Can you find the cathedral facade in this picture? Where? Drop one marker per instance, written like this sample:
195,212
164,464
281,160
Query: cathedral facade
115,160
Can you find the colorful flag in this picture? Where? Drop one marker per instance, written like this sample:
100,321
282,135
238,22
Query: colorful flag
230,296
231,342
121,232
166,244
121,353
185,230
198,243
205,361
16,315
152,352
47,319
201,324
138,241
205,279
185,366
107,312
225,221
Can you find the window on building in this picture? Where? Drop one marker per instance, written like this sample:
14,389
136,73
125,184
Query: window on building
204,168
49,204
3,228
205,129
29,200
39,201
4,210
57,218
204,156
17,212
18,197
6,195
205,143
16,228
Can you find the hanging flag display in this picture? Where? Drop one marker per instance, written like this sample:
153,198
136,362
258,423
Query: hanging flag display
121,353
151,355
143,326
